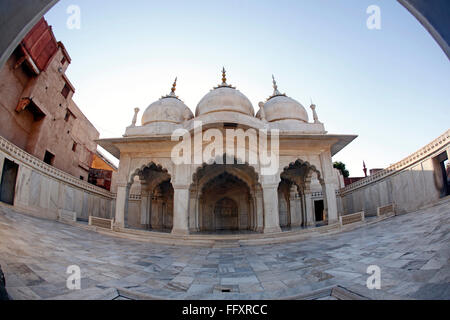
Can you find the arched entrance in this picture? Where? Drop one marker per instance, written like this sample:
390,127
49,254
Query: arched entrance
225,197
157,195
294,194
226,215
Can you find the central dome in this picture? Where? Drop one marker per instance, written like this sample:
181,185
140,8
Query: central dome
225,98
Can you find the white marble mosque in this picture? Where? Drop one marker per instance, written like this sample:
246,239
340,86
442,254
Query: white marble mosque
226,193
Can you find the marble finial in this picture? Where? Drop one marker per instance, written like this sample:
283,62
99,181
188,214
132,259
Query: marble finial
276,93
315,116
136,111
262,112
275,87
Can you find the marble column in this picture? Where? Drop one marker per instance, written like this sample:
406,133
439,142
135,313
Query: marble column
330,197
329,189
309,209
259,211
180,212
251,210
243,212
144,205
150,212
271,214
295,212
193,223
156,217
2,160
121,204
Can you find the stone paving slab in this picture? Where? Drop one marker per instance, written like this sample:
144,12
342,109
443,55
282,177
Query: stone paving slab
412,250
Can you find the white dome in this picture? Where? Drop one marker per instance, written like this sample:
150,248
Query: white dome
167,109
225,98
284,108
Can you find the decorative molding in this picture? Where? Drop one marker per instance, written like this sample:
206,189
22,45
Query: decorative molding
28,160
135,197
440,143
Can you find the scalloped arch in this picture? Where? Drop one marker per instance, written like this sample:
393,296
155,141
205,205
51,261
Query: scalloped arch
150,165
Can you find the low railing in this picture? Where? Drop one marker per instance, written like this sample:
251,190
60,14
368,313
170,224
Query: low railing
101,222
352,218
388,210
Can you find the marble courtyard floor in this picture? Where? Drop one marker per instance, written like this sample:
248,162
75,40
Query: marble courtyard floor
412,250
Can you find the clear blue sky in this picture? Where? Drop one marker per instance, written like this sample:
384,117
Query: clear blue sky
390,86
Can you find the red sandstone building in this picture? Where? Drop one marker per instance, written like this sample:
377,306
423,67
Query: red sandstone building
37,112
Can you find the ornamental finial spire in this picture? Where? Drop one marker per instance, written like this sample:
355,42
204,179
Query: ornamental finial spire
224,77
276,93
275,87
172,91
224,80
174,87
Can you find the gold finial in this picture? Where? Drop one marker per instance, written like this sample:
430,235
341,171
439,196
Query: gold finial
224,80
172,91
224,77
174,86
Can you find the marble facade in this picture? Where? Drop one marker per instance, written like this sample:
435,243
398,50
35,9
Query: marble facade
215,195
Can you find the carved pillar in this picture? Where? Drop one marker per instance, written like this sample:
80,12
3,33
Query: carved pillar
259,211
193,221
295,212
156,216
144,204
244,210
201,224
149,206
251,210
271,214
299,204
329,189
309,208
180,211
121,204
330,203
2,159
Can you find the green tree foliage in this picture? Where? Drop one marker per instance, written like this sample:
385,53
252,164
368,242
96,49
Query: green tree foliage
341,166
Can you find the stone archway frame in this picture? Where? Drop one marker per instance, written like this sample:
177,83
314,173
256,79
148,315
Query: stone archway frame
152,165
235,195
149,164
250,177
303,184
